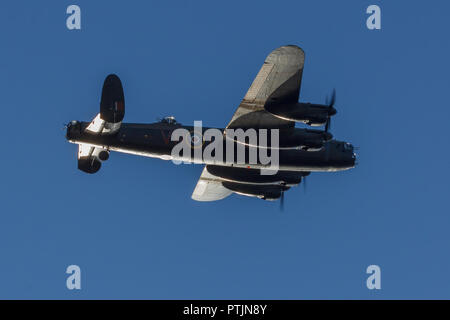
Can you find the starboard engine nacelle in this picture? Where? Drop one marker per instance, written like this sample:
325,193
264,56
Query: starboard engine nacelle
311,114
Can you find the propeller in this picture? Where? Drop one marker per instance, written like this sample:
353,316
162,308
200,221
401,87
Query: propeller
331,110
282,201
66,125
287,188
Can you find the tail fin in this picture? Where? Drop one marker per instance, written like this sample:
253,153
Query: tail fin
112,104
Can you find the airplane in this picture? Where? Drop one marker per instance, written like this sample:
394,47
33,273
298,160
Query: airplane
271,103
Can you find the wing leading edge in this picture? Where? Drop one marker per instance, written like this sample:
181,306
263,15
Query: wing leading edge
278,80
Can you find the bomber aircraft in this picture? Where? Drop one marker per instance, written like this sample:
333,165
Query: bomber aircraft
271,104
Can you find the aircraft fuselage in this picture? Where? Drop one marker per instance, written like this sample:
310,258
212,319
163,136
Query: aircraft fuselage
154,140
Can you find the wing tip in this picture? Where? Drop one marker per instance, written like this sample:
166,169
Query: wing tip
209,190
202,198
291,54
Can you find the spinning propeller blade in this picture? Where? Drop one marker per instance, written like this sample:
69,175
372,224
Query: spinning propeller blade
331,110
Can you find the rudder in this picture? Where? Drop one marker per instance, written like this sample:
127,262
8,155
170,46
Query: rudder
112,104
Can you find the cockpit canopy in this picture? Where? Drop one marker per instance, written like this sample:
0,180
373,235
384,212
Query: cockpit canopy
169,120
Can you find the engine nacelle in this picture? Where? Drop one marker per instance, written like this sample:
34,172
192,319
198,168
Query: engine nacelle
312,114
254,176
265,192
306,139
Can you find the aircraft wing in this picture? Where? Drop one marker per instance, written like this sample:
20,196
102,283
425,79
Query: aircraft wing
209,188
278,81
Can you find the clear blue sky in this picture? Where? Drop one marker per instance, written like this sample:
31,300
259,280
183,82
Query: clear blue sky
133,228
